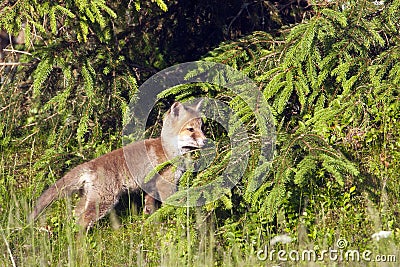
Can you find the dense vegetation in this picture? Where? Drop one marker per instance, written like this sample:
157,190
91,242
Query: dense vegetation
329,70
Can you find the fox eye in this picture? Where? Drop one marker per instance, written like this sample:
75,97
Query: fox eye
190,129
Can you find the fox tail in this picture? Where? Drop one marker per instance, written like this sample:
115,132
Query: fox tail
64,187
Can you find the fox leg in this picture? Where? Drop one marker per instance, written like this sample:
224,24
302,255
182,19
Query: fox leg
93,210
160,187
150,204
89,215
80,207
165,189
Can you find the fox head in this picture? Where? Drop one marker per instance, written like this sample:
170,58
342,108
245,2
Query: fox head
181,131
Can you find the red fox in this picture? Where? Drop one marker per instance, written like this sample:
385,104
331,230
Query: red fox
103,180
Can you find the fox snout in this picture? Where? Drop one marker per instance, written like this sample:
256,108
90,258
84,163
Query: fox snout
192,142
191,136
201,140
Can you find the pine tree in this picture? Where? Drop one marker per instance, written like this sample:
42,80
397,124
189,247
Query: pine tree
329,76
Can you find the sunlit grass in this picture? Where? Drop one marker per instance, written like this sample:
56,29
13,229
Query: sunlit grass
55,241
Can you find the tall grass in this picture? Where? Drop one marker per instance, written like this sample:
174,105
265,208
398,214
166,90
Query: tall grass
55,241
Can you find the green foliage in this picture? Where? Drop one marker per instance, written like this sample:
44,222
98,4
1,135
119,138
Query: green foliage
319,81
332,83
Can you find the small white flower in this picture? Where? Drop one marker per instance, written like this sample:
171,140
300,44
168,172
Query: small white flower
378,3
284,239
381,234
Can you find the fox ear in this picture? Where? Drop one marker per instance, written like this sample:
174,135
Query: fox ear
175,109
199,105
